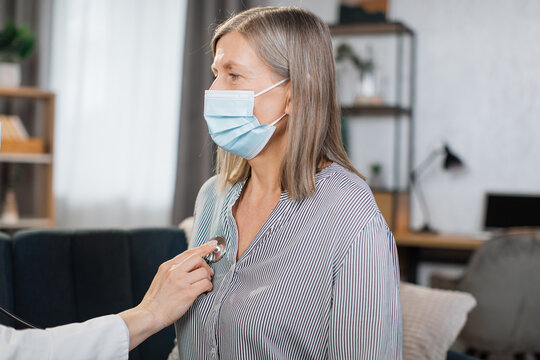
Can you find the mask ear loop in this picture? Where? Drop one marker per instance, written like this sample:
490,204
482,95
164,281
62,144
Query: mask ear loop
281,117
271,87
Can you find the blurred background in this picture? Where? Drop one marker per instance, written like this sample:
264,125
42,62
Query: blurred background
101,108
109,93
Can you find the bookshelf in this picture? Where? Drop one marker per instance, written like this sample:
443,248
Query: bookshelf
393,201
33,185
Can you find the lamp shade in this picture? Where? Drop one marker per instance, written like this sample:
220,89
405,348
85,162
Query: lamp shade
451,160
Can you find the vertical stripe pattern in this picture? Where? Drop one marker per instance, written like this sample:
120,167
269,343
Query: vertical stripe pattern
319,281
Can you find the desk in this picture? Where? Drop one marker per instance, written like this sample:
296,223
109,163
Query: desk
416,247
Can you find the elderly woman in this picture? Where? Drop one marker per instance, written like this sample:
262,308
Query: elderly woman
311,270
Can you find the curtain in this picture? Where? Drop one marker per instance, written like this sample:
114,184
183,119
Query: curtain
196,150
116,69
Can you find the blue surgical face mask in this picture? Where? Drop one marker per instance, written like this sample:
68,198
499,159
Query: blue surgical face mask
231,123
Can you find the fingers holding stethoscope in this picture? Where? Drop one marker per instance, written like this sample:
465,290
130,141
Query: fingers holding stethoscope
199,251
194,262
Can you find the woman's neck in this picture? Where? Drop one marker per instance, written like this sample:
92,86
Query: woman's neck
265,178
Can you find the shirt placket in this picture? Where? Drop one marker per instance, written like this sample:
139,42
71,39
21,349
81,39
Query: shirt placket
213,316
225,285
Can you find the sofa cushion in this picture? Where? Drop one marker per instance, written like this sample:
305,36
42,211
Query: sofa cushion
43,283
150,248
432,319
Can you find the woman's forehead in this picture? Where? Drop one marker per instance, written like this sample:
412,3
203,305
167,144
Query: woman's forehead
234,51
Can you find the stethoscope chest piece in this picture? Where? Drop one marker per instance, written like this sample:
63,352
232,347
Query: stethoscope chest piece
219,251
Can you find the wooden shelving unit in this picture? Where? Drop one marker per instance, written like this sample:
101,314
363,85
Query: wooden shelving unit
394,202
26,158
373,110
390,27
36,189
28,223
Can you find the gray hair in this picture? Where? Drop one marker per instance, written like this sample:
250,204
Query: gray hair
296,45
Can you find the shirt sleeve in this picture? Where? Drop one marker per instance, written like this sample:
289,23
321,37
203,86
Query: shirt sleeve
365,320
105,337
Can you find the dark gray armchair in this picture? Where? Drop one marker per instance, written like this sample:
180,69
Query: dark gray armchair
55,277
504,277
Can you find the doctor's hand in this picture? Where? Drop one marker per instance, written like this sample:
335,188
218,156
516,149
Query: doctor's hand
175,287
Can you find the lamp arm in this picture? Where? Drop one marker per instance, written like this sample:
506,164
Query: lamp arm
425,164
423,205
415,186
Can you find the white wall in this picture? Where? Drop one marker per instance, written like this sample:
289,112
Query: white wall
478,87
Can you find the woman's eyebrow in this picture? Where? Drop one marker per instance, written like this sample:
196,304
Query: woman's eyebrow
231,64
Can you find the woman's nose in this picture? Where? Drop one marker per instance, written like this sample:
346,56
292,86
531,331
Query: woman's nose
217,84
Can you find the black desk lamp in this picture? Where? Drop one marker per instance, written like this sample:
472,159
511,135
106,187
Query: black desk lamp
451,161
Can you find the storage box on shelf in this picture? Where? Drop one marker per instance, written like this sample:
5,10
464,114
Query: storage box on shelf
32,157
394,200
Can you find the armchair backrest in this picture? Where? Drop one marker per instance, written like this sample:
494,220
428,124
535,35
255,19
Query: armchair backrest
6,278
504,277
60,277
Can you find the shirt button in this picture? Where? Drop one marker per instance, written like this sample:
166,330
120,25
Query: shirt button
213,352
216,307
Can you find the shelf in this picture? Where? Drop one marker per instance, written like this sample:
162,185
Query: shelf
438,241
27,223
387,191
26,158
26,92
375,110
371,29
36,192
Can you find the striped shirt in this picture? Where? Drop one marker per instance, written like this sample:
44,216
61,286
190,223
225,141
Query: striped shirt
319,280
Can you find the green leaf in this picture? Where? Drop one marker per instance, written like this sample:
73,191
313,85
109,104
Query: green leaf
16,42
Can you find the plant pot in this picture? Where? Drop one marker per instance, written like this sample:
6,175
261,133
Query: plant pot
10,74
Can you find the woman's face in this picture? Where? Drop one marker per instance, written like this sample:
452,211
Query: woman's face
238,67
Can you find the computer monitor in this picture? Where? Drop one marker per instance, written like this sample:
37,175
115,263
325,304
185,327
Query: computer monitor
511,210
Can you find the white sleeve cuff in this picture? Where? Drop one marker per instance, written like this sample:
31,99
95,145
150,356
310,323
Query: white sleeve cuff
105,337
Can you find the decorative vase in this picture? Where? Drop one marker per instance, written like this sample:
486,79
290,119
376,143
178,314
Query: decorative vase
10,74
10,214
346,81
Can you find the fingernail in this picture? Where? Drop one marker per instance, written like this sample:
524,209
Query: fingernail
212,243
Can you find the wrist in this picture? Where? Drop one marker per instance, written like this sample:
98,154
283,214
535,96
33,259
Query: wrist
141,324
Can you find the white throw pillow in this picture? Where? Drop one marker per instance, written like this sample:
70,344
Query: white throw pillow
432,319
187,226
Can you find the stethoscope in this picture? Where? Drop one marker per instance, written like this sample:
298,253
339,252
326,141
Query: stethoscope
219,251
216,255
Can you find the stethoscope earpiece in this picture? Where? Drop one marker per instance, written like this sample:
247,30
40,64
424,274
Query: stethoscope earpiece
219,251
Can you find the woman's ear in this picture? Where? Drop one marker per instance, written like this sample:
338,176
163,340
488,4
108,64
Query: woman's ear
288,101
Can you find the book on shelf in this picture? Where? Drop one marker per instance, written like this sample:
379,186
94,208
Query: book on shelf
14,137
13,128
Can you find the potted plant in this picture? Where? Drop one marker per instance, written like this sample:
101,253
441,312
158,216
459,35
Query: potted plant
16,44
352,88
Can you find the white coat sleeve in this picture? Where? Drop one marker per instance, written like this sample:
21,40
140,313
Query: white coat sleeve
105,337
